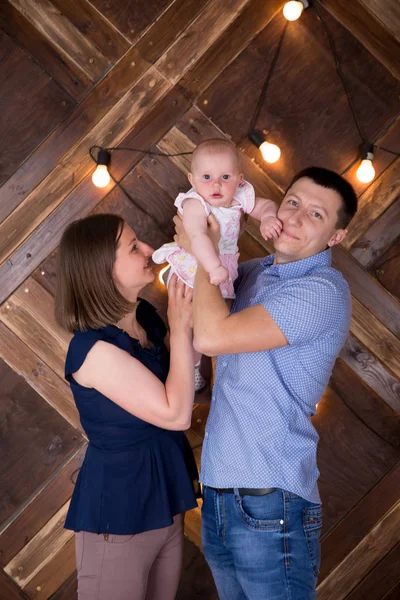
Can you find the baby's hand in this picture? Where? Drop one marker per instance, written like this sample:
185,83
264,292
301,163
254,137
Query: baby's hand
270,227
218,275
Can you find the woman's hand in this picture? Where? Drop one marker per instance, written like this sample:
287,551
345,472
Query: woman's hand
180,300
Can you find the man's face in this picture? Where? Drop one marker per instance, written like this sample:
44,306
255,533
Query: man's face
309,215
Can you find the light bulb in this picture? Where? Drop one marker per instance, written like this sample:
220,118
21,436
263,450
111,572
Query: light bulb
161,273
292,10
270,152
366,171
101,176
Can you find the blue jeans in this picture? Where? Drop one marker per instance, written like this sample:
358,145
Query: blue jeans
262,547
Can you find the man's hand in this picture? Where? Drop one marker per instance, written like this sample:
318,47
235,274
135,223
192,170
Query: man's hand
270,227
182,239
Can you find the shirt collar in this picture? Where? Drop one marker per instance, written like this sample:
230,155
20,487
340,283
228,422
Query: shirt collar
298,267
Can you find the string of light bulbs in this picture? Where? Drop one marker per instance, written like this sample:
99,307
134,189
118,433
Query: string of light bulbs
270,152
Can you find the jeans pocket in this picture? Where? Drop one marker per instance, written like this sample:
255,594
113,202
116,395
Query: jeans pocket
312,525
264,513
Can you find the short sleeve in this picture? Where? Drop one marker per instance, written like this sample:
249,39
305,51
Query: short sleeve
308,310
246,196
79,347
191,194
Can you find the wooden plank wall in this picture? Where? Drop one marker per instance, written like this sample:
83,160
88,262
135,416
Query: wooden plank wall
165,75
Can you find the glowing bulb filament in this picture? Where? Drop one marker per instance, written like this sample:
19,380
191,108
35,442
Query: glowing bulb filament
101,176
292,10
270,152
366,171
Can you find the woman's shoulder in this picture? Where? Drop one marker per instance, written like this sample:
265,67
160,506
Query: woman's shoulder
82,342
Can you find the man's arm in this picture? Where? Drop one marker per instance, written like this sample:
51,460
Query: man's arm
216,331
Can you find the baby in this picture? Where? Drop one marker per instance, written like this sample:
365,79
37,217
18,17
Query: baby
218,188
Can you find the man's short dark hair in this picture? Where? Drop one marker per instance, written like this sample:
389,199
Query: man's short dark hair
333,181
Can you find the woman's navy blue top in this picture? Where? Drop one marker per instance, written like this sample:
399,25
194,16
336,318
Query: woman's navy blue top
135,476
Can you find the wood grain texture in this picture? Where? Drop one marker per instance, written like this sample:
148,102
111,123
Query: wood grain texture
387,269
29,313
77,164
380,580
371,31
35,440
377,239
39,551
367,290
9,590
24,125
380,540
69,43
378,339
351,457
226,48
381,194
198,37
41,506
40,377
356,524
370,370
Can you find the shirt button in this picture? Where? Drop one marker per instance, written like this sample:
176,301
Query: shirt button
224,364
251,299
206,434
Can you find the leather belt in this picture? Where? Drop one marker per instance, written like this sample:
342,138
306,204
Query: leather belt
245,491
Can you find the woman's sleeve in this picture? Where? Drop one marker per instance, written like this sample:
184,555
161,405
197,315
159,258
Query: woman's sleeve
78,349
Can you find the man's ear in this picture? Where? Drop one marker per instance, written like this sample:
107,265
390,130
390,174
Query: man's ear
337,237
190,177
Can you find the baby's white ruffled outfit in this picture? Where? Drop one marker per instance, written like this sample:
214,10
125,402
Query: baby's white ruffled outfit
185,265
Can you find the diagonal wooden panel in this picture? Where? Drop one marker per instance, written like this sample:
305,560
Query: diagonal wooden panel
371,32
39,551
253,19
40,507
380,540
199,36
40,377
9,590
357,357
380,580
24,125
29,313
382,192
370,247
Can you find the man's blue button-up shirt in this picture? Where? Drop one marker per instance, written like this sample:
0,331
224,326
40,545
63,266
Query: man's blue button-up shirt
259,432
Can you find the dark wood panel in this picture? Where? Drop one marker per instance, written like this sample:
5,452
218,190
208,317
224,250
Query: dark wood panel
233,40
6,46
380,580
370,30
9,590
320,130
34,442
54,572
351,457
366,405
388,269
394,593
131,17
367,290
370,247
370,370
92,24
23,32
41,507
362,517
23,125
68,591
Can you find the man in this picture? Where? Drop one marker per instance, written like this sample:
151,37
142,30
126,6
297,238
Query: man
276,350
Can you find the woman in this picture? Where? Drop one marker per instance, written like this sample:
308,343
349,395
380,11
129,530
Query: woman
134,400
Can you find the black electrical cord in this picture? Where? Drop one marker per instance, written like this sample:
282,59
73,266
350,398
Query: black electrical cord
267,81
138,150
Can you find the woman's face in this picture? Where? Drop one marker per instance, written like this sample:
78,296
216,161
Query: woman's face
133,266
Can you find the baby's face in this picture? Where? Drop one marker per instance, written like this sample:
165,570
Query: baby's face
215,176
